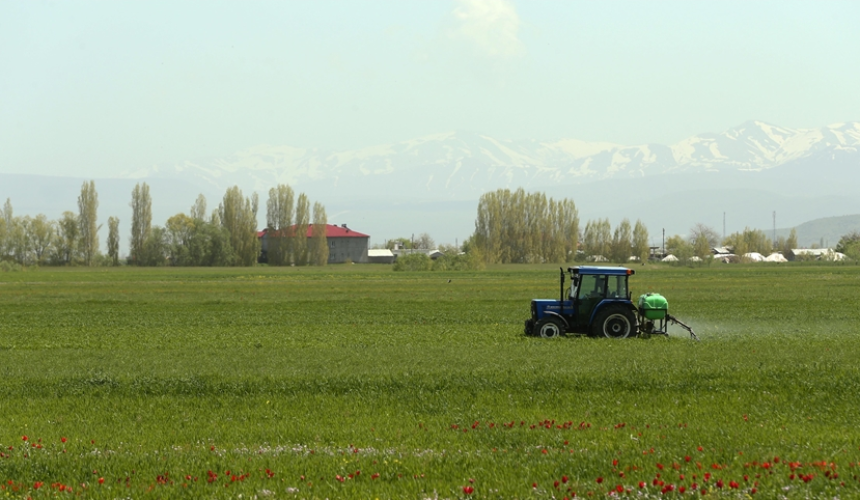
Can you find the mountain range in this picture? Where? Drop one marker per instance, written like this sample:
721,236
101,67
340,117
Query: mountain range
460,165
431,184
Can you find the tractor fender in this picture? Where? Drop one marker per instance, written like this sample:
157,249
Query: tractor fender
559,316
610,302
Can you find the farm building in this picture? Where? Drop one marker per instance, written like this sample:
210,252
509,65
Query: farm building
814,254
344,244
380,256
775,257
754,257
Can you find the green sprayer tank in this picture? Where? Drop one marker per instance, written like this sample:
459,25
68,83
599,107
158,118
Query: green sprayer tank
653,306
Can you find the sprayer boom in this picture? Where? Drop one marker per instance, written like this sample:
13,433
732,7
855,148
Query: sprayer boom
678,322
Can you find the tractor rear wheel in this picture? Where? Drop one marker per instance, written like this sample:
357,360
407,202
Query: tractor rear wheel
615,323
549,328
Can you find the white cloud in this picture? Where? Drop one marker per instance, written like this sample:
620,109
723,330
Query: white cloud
490,26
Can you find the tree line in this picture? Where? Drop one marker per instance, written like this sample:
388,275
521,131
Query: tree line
72,239
703,238
520,227
225,237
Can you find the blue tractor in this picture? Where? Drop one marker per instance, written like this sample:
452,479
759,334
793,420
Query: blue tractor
598,303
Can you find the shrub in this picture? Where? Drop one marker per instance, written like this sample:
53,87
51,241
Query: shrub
460,262
413,262
8,267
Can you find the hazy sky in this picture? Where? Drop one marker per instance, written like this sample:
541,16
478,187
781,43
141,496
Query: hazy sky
96,88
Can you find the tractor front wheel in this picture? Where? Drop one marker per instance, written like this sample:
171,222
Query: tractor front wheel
614,323
549,328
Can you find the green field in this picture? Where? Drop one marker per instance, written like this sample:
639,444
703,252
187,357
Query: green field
359,382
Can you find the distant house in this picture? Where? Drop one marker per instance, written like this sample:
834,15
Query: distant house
344,244
814,254
380,256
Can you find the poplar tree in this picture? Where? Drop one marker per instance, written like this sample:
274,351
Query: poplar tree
239,216
622,242
88,204
597,239
603,237
791,242
198,210
319,242
300,243
113,240
66,241
5,227
41,235
641,248
18,240
701,246
525,227
141,220
569,222
279,219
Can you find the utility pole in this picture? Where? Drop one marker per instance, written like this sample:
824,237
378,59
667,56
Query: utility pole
664,242
774,228
724,225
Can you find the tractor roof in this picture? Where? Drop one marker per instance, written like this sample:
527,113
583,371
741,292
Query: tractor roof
611,271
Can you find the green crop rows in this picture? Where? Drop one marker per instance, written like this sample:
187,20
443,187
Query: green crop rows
358,382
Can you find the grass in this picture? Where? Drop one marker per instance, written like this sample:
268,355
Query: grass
294,379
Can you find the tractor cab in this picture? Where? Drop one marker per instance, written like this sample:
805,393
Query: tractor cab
596,303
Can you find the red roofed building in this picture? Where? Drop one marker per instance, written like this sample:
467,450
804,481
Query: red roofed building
344,244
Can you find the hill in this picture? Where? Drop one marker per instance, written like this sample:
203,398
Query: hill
823,232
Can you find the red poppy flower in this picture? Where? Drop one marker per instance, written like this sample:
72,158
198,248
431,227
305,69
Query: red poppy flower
468,490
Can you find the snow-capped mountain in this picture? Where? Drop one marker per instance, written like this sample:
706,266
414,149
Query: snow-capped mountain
432,184
460,165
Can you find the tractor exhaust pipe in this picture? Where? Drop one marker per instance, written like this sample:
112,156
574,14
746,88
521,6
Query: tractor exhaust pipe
560,288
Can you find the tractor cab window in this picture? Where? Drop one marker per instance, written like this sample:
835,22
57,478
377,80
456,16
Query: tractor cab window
591,286
617,287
